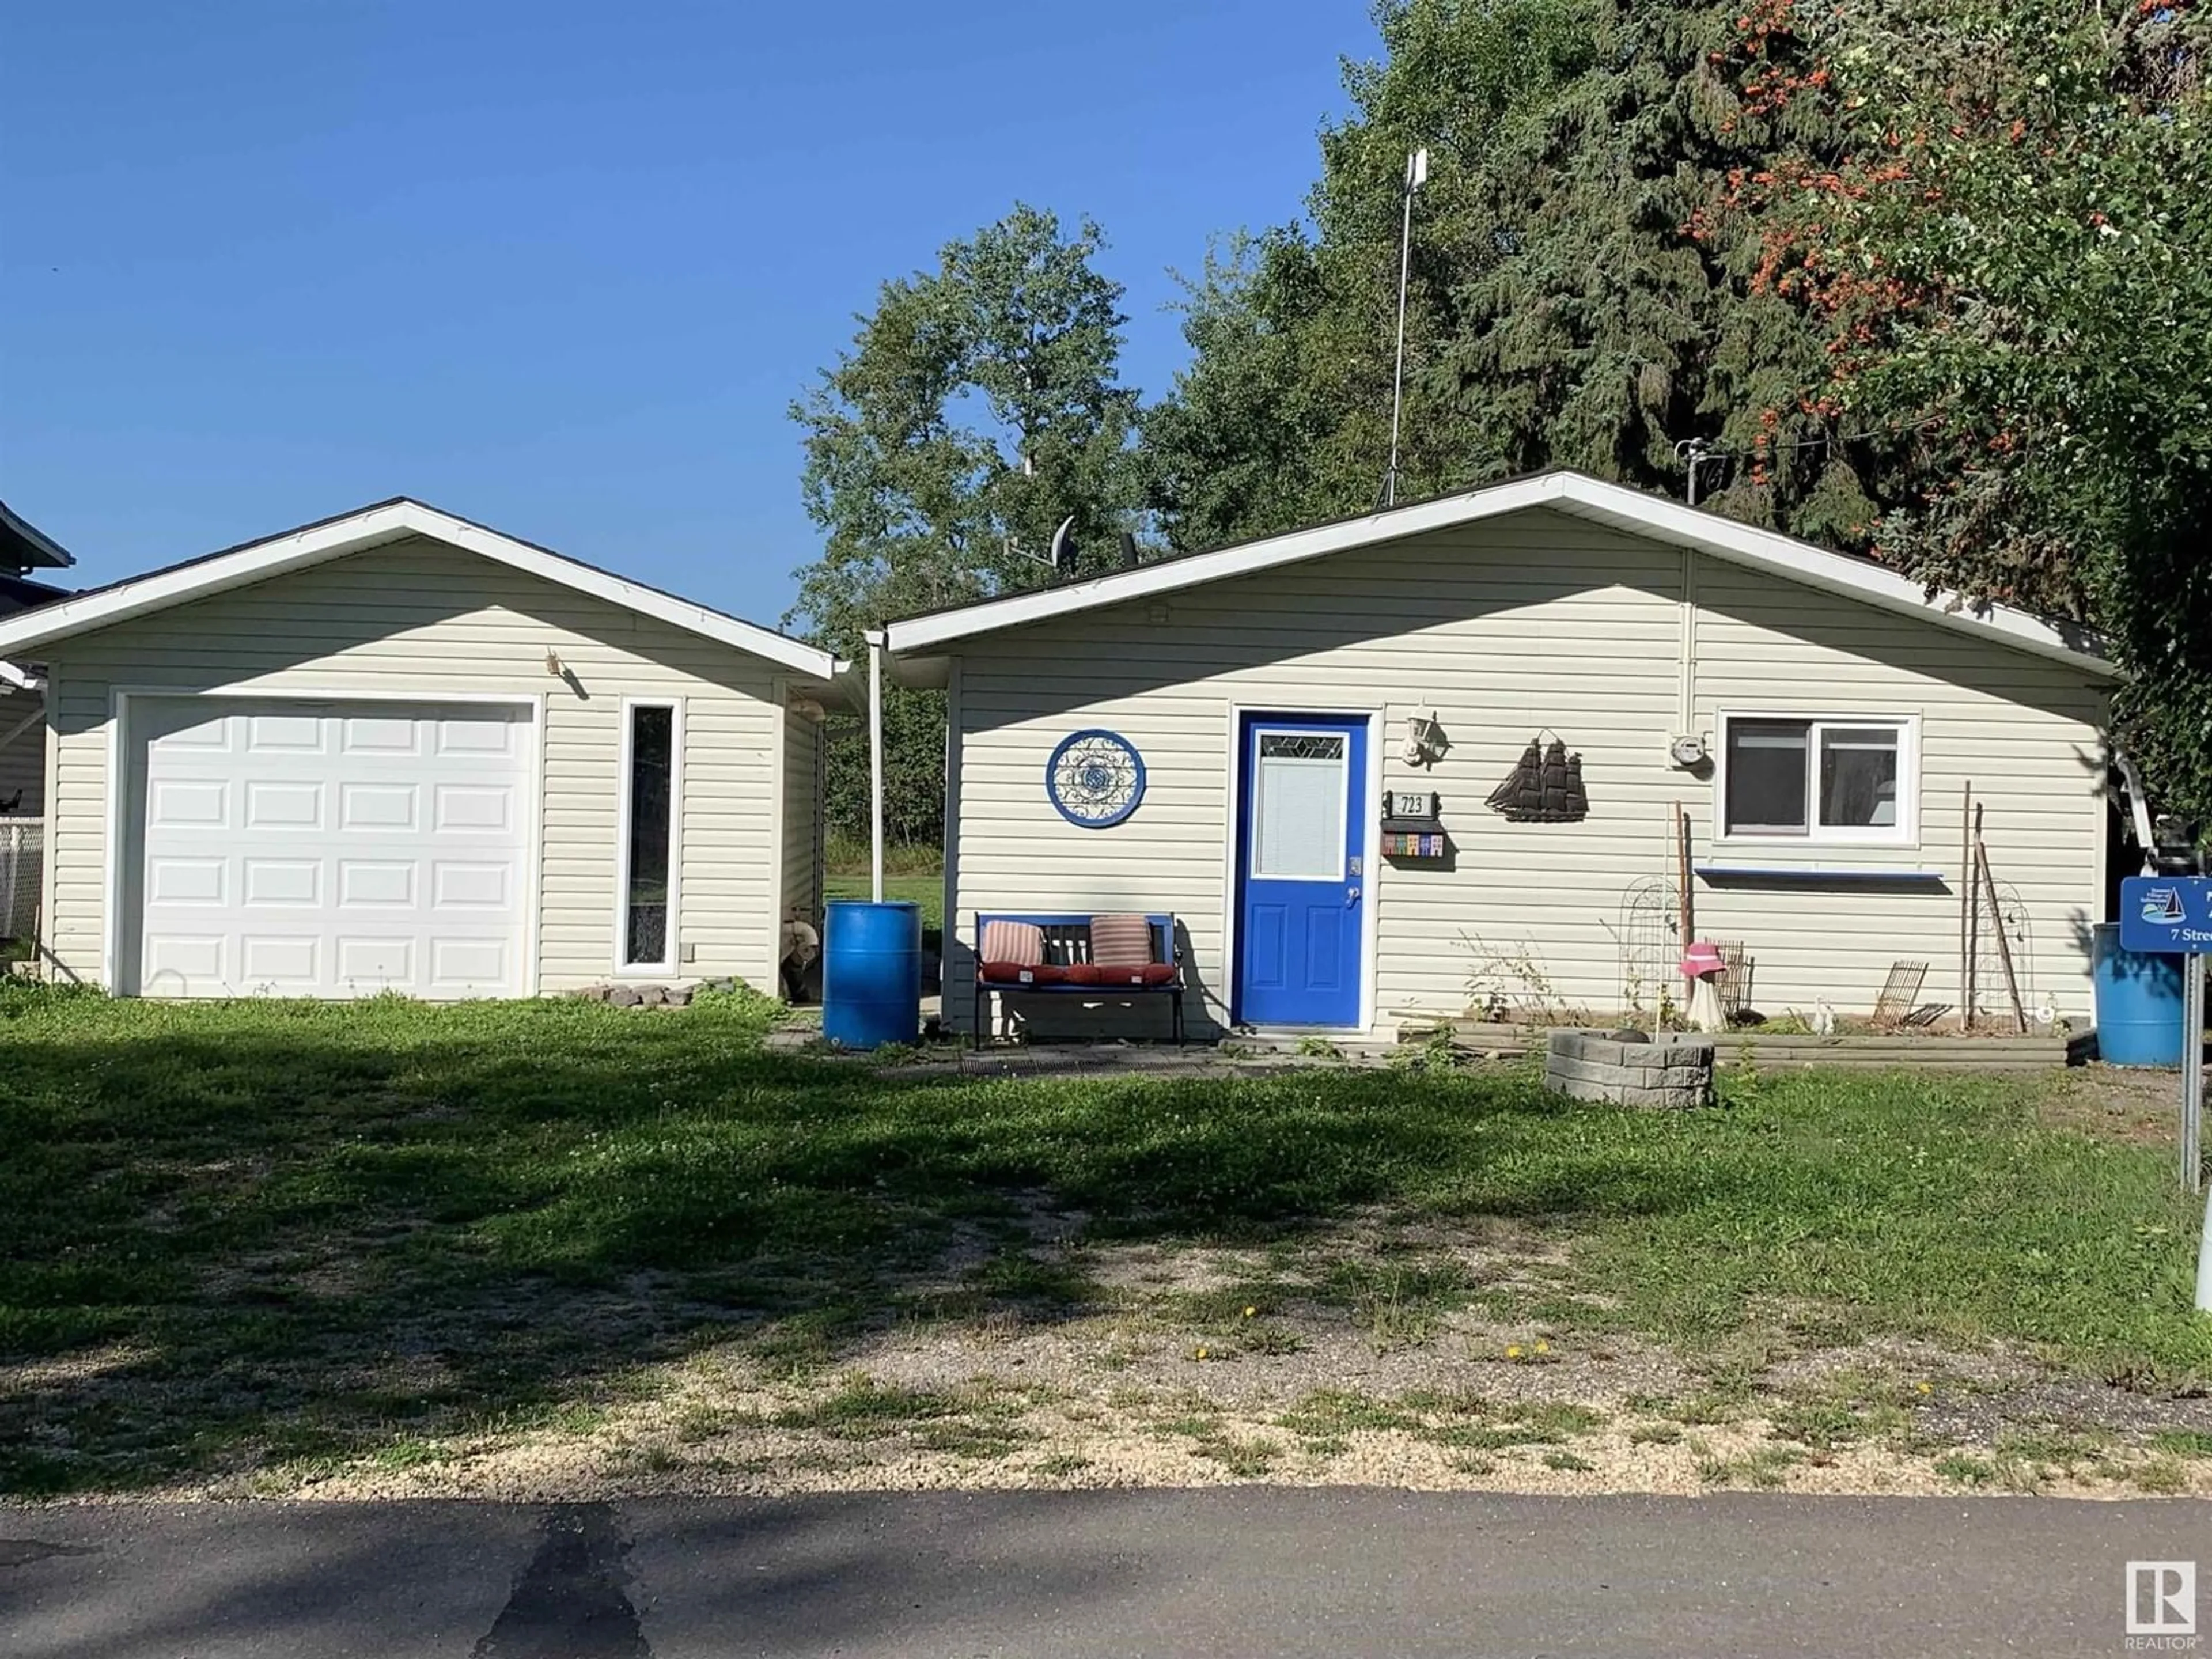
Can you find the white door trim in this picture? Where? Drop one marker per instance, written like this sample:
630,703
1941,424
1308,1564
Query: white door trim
115,841
1370,865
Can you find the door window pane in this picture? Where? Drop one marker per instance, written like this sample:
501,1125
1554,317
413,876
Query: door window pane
1858,777
1298,807
1766,776
645,886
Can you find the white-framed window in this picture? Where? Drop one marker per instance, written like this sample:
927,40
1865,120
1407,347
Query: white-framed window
1815,778
648,835
1300,799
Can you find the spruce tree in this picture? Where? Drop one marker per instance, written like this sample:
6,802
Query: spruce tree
1585,290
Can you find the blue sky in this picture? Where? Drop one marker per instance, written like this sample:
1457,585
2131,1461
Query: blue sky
558,266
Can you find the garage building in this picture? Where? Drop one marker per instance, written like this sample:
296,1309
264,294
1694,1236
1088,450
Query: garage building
399,751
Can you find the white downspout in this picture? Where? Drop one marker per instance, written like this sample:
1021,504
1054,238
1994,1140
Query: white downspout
875,638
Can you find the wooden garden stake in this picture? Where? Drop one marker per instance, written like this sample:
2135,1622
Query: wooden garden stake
1967,897
2004,945
1682,874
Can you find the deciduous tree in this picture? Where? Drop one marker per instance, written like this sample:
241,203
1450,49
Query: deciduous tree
978,407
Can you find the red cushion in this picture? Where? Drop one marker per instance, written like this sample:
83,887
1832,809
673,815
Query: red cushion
1024,973
1084,973
1151,972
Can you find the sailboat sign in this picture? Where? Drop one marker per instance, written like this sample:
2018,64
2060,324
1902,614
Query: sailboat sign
2168,916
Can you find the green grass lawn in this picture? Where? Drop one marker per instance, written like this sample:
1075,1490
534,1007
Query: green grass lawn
912,872
927,891
280,1231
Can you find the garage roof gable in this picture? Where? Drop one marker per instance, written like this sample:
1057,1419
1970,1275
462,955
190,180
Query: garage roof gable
376,526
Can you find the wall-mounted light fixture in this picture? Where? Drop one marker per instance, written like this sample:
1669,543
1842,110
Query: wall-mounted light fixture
554,666
1425,742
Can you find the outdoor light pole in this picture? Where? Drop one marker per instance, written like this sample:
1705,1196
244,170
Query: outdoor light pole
1417,174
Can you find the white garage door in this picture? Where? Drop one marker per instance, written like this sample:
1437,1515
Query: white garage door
330,849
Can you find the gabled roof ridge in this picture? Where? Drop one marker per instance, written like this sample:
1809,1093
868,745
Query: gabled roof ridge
1635,512
377,525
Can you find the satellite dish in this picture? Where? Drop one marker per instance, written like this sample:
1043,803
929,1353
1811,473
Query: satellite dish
1063,547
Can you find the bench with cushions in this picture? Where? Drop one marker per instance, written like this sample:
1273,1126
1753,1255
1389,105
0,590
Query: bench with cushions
1100,956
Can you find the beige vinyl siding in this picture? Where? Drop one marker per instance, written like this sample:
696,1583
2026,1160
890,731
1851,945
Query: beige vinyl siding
2024,731
802,817
1539,623
418,618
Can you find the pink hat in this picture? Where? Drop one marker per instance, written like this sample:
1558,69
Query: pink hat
1701,959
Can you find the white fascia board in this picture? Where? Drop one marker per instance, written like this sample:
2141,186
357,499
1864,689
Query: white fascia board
1632,511
1172,576
15,678
1655,518
375,527
165,588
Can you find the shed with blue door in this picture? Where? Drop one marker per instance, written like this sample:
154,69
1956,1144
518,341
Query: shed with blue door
1427,759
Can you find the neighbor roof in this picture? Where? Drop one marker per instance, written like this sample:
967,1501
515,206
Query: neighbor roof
26,547
373,526
21,594
1575,494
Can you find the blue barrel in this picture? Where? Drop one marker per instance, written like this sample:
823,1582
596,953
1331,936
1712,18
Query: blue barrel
871,972
2138,1002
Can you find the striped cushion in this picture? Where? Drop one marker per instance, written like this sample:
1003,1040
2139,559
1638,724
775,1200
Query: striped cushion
1120,941
1021,942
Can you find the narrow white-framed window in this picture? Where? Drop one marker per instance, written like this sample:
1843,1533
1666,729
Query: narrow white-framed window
1842,779
648,851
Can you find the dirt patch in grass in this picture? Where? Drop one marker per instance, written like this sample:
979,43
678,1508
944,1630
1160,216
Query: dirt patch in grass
2128,1104
1165,1378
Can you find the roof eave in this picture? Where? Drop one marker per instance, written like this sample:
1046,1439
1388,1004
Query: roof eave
44,552
376,526
1680,526
1618,507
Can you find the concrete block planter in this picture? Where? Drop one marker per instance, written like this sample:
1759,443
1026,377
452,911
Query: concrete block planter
1777,1050
1671,1074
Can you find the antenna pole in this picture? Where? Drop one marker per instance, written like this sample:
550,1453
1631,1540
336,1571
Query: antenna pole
1417,172
1695,451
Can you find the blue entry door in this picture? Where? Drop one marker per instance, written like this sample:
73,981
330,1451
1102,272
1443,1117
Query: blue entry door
1302,832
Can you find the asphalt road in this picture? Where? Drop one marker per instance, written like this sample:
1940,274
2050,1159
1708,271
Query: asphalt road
1249,1570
